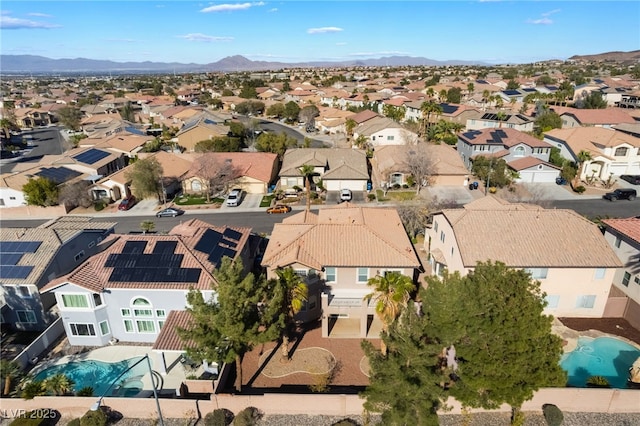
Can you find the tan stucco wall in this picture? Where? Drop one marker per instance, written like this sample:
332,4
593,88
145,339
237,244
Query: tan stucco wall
452,180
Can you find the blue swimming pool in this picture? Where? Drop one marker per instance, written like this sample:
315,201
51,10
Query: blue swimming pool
603,356
99,375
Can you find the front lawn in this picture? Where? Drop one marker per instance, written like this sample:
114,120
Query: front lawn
266,200
395,195
189,200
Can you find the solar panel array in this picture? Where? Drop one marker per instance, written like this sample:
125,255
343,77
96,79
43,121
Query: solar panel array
217,245
448,108
10,254
494,117
91,156
58,174
161,265
511,92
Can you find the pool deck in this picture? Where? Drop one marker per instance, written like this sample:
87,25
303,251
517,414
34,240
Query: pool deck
169,382
570,336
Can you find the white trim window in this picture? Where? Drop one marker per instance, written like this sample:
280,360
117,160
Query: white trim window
128,326
552,301
24,292
26,317
145,326
600,273
104,327
538,273
161,313
586,301
363,275
330,274
80,329
74,300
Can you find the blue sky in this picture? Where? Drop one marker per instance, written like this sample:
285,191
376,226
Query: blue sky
493,31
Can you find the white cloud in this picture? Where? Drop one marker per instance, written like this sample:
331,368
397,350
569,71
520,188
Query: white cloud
323,30
275,9
40,15
204,38
10,23
550,12
541,21
230,7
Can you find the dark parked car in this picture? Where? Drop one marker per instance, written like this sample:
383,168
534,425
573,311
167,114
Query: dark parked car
561,181
621,194
634,179
127,203
169,212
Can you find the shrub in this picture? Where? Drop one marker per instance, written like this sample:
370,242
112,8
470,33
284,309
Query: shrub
371,197
396,186
248,417
518,419
580,189
99,206
598,382
85,391
552,414
74,422
218,417
345,422
32,389
94,418
405,186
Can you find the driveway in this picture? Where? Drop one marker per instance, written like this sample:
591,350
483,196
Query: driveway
453,194
357,197
249,202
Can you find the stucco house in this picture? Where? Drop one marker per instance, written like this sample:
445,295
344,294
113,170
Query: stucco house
327,249
623,235
127,291
201,127
31,257
380,131
479,120
576,117
527,155
612,152
338,168
564,251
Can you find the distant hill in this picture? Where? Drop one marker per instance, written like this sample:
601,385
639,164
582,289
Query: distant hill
623,57
19,64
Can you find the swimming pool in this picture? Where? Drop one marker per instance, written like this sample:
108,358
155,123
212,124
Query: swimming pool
608,357
100,375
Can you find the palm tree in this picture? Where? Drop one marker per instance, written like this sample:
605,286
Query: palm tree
583,157
307,171
295,294
9,370
427,108
501,116
485,97
350,124
58,384
391,293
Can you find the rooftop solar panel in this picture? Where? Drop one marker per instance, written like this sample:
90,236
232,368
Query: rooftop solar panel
16,272
209,240
58,174
91,156
134,247
165,247
232,234
10,258
19,246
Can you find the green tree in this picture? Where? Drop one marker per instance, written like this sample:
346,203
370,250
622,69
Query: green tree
583,157
127,113
404,384
308,113
307,171
512,85
218,144
41,192
144,176
391,293
291,111
594,100
294,294
242,316
278,144
427,109
9,370
393,112
276,110
454,95
58,384
493,172
147,226
69,117
547,121
491,342
350,125
250,107
248,92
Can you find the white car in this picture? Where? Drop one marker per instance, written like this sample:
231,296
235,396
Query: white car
345,195
234,198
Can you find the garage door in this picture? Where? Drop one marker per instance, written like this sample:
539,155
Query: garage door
337,185
618,169
538,176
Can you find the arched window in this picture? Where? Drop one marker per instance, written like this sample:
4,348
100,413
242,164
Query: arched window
519,151
141,301
196,185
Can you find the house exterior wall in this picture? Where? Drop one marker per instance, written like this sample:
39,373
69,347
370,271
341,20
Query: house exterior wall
628,252
392,136
478,124
568,287
10,197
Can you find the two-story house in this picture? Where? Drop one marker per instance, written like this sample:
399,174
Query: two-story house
612,152
338,168
525,154
564,251
337,250
623,235
31,257
126,292
380,131
491,120
201,127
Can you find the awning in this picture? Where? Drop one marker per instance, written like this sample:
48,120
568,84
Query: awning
438,256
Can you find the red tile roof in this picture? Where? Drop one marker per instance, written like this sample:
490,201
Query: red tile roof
629,227
168,339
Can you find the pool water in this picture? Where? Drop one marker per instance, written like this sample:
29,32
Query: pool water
603,356
100,375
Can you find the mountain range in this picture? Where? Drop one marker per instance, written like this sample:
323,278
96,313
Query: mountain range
20,64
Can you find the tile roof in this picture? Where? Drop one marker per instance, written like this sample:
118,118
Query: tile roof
446,161
527,162
337,237
168,339
528,236
257,165
629,227
592,139
377,124
599,116
342,163
94,276
363,116
505,136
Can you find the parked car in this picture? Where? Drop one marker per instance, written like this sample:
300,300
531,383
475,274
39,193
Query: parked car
561,181
235,197
633,179
127,203
169,212
621,194
279,208
345,195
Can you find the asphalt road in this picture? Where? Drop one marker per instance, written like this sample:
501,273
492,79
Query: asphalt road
46,141
292,132
599,208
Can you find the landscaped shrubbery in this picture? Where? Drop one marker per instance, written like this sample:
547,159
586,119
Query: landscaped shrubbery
219,417
247,417
94,418
552,414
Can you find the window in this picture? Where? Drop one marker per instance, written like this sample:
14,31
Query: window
97,299
519,151
637,279
196,185
396,178
538,273
600,272
125,312
23,291
75,301
625,279
91,244
586,301
82,329
142,313
330,274
442,236
363,275
28,317
618,242
435,226
128,326
78,256
141,301
389,138
552,301
146,326
160,313
621,152
160,325
104,328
